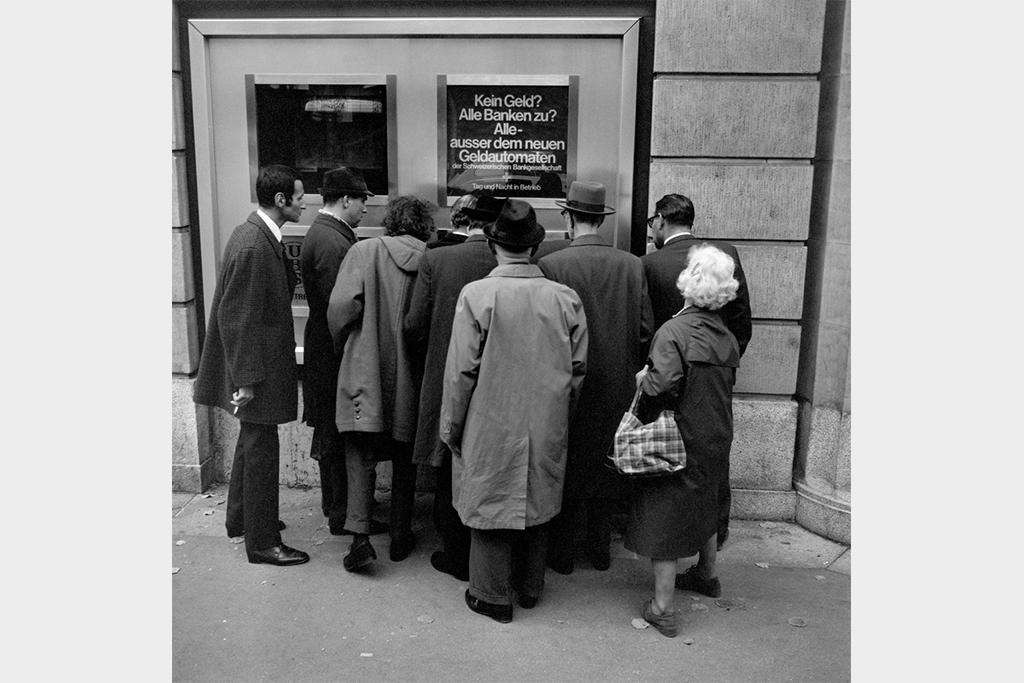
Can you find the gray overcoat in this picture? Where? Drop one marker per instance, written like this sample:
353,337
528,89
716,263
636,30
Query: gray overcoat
515,365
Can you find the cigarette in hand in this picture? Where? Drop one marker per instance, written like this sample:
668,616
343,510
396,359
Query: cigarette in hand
236,411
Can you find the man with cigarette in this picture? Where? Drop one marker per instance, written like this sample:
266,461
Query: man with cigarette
248,362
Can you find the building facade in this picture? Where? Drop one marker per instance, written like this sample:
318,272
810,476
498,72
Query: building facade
742,105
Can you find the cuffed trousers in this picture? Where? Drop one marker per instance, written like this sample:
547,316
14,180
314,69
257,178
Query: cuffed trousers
252,506
503,560
362,453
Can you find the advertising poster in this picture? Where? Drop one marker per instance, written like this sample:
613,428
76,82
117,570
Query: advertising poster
512,140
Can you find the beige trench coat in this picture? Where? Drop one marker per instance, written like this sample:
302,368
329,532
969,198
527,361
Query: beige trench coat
514,369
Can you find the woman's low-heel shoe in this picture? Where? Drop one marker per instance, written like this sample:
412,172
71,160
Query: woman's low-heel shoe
500,613
690,581
281,555
665,623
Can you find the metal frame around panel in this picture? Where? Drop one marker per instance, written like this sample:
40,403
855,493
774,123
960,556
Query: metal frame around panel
387,80
199,30
571,133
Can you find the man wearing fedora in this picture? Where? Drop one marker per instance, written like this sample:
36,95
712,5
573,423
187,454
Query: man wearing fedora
428,327
515,365
672,229
248,362
329,238
611,284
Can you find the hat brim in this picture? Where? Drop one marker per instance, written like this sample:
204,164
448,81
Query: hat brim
607,209
535,237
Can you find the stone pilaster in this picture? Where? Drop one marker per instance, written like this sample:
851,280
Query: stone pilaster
822,467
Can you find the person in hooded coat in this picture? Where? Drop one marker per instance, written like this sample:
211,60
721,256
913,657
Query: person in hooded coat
377,391
691,370
515,365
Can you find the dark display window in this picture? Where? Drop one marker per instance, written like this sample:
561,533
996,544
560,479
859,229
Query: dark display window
316,127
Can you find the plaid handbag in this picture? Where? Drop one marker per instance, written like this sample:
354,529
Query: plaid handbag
648,449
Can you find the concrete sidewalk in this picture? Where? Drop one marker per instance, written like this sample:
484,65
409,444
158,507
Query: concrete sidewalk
235,621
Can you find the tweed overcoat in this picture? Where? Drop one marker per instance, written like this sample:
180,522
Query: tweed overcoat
428,328
250,339
325,246
662,268
377,391
611,284
515,365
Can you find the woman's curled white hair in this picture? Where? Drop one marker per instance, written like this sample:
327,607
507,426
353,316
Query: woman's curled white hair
708,278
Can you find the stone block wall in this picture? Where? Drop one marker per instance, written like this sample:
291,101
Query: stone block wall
734,127
191,467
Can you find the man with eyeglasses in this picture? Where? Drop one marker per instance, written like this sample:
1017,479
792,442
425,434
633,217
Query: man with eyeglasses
672,229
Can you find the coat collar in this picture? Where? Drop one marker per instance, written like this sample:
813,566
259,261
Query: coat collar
516,270
258,222
589,241
476,238
339,226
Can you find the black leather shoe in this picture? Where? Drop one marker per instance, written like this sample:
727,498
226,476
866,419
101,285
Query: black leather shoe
375,528
599,557
401,546
690,581
442,562
281,555
500,613
527,601
360,554
560,565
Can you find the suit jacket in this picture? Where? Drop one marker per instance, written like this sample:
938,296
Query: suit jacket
548,247
250,339
428,329
612,287
662,269
446,240
326,243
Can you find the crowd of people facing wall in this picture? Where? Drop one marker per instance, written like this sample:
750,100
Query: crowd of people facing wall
505,365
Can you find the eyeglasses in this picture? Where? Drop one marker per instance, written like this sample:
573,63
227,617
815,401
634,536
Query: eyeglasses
650,221
564,212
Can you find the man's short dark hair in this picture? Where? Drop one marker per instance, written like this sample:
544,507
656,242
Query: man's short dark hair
273,179
409,215
675,209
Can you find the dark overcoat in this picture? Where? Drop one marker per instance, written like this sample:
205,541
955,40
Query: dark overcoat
428,328
250,339
326,243
662,268
611,284
693,363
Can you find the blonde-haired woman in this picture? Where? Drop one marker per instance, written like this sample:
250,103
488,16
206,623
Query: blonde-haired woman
691,370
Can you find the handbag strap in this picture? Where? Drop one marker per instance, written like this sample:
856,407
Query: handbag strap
636,400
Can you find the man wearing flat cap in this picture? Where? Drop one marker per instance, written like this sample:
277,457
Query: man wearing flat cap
329,238
611,284
428,327
515,365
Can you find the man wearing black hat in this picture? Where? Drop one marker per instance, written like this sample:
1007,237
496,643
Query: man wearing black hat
514,369
428,327
672,228
327,241
611,284
248,363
